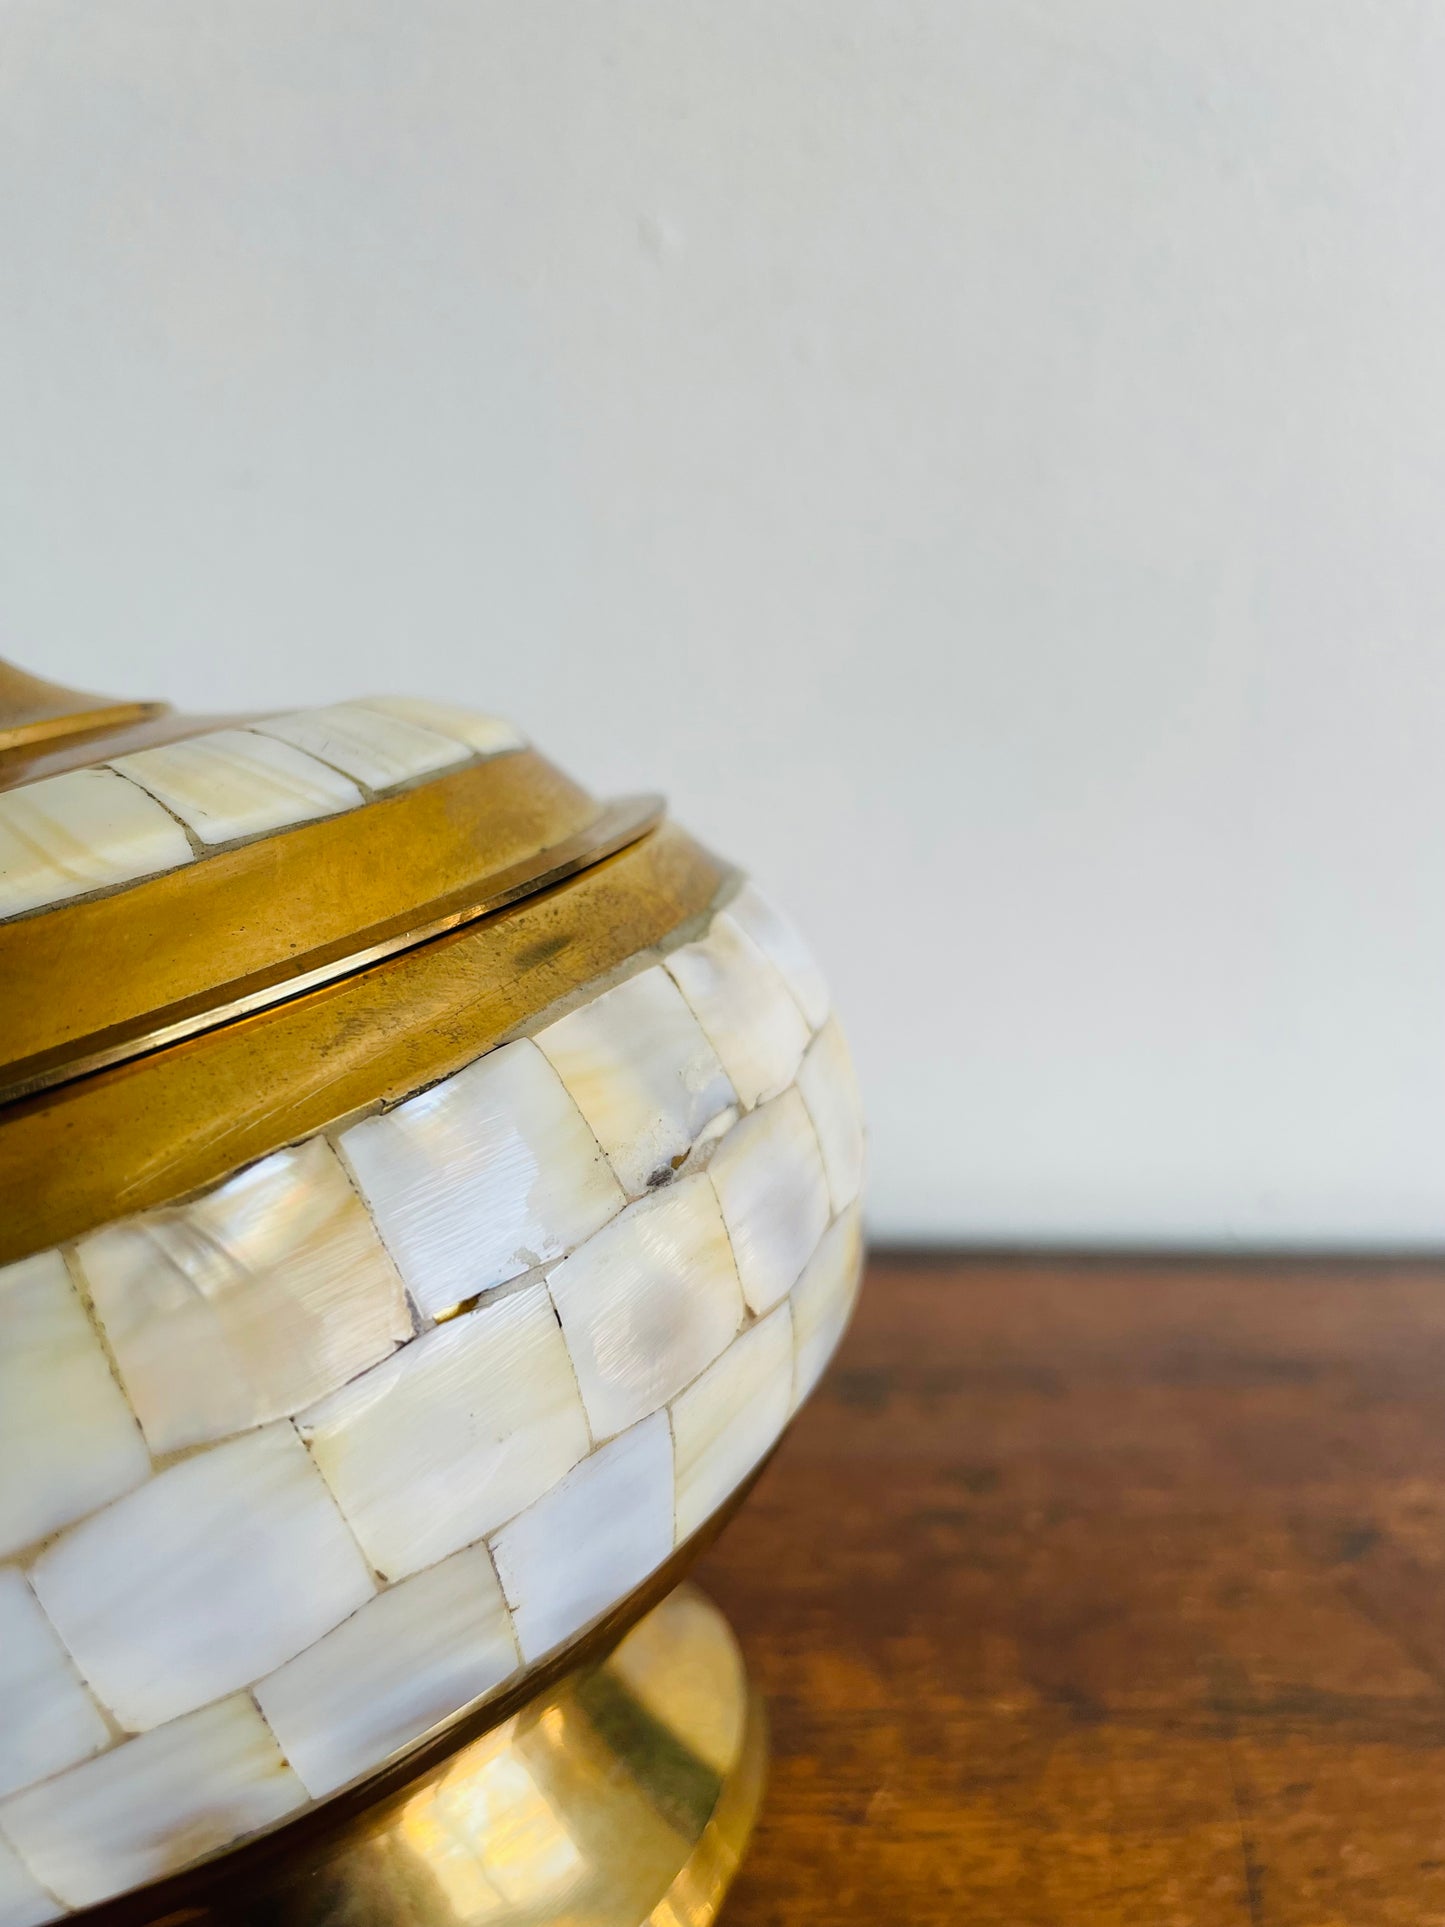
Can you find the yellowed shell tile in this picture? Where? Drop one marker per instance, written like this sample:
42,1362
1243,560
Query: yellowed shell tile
23,1901
367,744
210,1575
482,1177
233,783
648,1303
152,1805
84,830
830,1091
642,1074
780,943
591,1540
487,735
823,1300
750,1016
769,1178
414,1656
462,1428
68,1441
248,1303
731,1417
47,1719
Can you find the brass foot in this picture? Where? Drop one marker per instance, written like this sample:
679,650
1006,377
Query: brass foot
624,1795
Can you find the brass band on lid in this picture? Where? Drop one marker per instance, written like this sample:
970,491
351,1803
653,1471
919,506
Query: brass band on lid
251,926
157,1127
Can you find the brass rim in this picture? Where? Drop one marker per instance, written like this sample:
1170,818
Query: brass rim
243,921
156,1128
277,981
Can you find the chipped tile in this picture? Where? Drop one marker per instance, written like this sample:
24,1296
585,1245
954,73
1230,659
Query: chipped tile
482,1177
642,1073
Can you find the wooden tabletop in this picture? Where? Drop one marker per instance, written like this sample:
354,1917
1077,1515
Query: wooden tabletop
1106,1591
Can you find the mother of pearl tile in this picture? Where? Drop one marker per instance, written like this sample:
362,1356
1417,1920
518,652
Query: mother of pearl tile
642,1073
751,1019
23,1901
648,1302
234,783
68,1441
153,1805
823,1298
210,1575
248,1303
47,1719
81,831
411,1658
830,1091
594,1537
367,744
784,948
482,1177
769,1179
458,1431
725,1422
487,735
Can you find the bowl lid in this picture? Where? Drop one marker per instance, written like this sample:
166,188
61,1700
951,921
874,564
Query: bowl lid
161,874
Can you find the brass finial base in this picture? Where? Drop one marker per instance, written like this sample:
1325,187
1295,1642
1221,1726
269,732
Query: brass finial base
33,711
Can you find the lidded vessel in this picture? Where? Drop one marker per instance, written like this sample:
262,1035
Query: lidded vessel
426,1195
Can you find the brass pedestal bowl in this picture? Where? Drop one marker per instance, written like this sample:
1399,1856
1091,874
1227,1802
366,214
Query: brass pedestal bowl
427,1196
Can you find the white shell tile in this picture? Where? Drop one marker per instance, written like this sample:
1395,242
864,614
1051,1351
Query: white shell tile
487,735
412,1658
247,1304
751,1018
830,1091
210,1575
823,1299
47,1719
81,831
731,1417
367,744
482,1177
154,1804
68,1442
457,1432
769,1178
642,1073
781,944
23,1901
648,1303
234,783
594,1537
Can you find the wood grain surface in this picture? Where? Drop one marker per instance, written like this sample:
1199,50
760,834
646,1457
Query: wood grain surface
1106,1591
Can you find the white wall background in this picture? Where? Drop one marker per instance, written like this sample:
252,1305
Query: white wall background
986,462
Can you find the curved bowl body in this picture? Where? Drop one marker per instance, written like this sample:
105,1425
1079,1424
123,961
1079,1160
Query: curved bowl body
379,1314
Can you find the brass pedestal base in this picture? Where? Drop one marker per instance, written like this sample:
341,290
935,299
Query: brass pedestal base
623,1795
